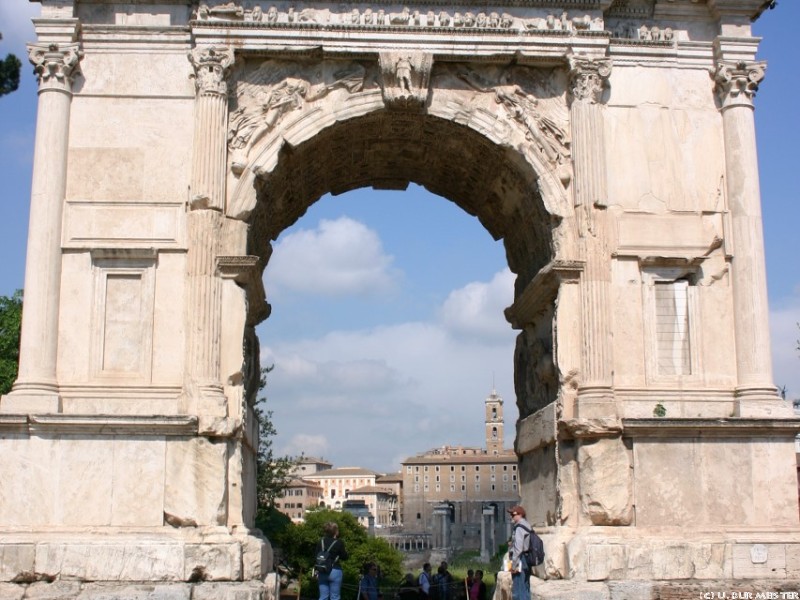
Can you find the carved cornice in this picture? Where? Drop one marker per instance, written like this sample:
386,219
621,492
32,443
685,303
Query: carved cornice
734,427
143,425
587,78
55,65
211,66
541,291
737,82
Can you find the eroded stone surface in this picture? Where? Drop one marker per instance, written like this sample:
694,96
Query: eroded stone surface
589,140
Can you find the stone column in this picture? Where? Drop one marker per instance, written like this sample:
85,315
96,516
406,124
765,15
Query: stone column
36,388
203,394
587,80
737,83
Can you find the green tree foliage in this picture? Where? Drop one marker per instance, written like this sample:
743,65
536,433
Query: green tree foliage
299,542
9,74
10,323
273,473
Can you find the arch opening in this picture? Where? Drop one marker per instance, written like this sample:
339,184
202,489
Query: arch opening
389,150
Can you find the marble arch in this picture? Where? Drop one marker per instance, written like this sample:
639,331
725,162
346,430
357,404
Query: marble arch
609,143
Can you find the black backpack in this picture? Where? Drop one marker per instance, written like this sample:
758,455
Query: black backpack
534,553
322,561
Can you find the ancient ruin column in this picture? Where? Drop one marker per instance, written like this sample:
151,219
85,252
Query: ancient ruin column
587,79
737,83
203,393
36,389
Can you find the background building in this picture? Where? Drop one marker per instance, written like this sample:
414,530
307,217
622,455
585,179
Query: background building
298,497
336,483
469,481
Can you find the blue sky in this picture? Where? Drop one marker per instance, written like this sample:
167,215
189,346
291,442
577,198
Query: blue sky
387,330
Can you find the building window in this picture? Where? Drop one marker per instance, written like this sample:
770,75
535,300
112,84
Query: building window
463,468
437,478
426,468
416,478
463,488
505,467
463,478
437,468
492,468
416,469
477,477
438,488
425,479
477,468
493,487
416,487
426,487
452,477
477,487
419,516
452,468
493,477
408,469
514,487
505,476
513,477
452,488
513,467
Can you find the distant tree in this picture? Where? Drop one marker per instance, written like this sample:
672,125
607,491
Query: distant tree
10,323
298,543
9,73
273,473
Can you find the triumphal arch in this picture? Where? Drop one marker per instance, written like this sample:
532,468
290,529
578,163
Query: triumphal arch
608,143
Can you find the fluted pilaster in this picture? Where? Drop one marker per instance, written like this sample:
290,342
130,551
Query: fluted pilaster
205,219
36,388
587,81
209,155
204,229
737,83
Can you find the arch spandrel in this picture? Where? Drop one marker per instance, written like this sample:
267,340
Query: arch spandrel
503,129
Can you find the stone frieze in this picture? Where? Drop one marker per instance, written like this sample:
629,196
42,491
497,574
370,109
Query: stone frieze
577,19
275,88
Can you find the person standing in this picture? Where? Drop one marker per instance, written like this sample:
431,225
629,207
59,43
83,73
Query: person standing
425,582
477,591
369,583
520,570
330,584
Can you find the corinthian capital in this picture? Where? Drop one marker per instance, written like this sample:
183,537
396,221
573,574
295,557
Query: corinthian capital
55,65
737,82
211,66
587,77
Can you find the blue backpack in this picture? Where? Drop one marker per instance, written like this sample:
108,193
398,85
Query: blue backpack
534,553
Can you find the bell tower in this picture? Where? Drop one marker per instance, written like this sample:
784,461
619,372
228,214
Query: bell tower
494,423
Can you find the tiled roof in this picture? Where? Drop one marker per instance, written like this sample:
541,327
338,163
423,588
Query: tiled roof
461,459
371,489
342,472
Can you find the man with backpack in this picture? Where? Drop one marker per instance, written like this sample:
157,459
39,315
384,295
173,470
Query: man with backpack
524,555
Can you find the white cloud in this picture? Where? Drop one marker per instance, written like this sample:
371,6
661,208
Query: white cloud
395,390
308,445
476,310
339,257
